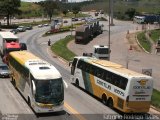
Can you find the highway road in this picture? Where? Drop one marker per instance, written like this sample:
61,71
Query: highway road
78,104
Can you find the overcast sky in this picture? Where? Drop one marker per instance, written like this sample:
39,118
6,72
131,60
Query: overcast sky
43,0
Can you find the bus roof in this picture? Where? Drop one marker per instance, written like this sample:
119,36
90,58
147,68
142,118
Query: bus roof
39,68
8,35
113,67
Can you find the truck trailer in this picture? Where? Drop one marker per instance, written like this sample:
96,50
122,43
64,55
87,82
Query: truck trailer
82,34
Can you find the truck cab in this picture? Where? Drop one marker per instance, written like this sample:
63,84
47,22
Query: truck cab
101,52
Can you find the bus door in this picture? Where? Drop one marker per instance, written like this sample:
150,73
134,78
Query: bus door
73,66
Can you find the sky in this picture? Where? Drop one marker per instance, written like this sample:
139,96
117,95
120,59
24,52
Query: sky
43,0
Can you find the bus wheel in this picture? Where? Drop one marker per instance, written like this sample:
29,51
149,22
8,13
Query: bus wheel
77,82
104,99
110,103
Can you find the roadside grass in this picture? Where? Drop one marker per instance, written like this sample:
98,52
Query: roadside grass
155,35
34,23
60,48
155,100
143,41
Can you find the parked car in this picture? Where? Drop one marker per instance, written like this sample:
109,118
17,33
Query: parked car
29,27
21,29
14,31
4,70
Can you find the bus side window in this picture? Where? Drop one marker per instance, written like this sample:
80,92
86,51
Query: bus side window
116,80
91,70
108,77
87,68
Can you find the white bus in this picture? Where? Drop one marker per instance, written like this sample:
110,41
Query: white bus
38,81
116,86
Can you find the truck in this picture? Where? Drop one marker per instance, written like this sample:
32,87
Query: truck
97,28
100,52
90,30
8,43
82,34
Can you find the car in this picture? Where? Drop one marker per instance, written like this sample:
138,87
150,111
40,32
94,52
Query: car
14,31
41,25
73,19
29,27
65,21
4,70
23,46
21,29
46,25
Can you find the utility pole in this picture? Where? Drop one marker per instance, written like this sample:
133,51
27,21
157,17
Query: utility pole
71,18
111,10
109,30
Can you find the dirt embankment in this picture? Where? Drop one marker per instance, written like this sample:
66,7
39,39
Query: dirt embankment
132,40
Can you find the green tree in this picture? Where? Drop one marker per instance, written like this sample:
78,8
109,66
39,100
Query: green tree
65,11
76,10
130,12
49,7
9,8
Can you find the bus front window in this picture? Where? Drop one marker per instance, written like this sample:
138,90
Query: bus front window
49,91
102,51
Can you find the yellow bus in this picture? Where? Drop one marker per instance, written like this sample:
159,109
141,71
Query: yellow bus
38,81
116,86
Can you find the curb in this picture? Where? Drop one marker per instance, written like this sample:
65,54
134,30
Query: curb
156,109
54,54
141,46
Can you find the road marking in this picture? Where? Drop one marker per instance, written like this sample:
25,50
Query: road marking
73,111
16,100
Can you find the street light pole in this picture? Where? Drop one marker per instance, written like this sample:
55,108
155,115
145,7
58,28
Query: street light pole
109,32
71,18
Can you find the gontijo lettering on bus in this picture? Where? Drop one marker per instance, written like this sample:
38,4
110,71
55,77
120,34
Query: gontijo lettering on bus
103,84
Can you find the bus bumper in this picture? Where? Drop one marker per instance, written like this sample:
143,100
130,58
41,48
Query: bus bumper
39,109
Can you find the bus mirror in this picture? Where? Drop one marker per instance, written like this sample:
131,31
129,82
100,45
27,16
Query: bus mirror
65,84
70,63
34,87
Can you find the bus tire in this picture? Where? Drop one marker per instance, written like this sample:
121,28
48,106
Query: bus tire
104,99
110,103
77,83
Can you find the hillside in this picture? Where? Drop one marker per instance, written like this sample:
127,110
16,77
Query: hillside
120,6
30,10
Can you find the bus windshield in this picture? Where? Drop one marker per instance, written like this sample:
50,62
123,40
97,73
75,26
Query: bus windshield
49,91
102,51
